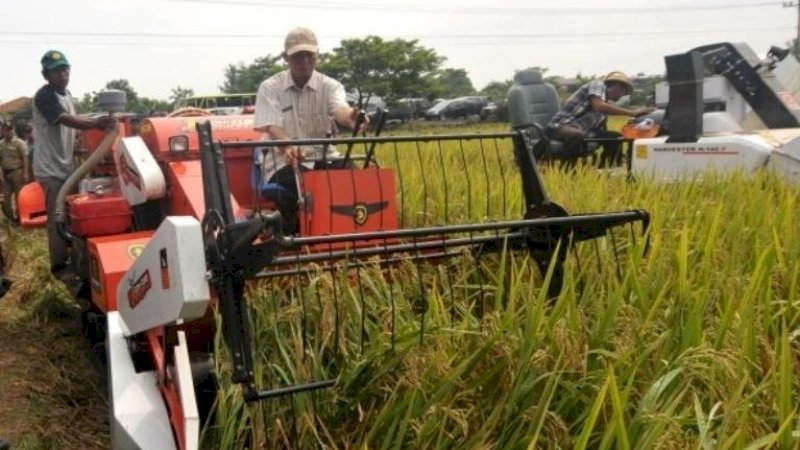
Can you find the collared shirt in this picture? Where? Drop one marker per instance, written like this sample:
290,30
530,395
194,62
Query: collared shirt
304,113
577,110
54,141
12,154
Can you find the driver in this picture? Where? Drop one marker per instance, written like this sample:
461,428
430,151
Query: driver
298,103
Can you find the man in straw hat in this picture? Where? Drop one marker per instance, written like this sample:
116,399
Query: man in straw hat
584,113
298,103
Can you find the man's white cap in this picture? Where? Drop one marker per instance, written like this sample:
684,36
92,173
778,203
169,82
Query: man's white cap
300,40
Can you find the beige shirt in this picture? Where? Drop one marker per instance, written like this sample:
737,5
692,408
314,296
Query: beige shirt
304,113
12,154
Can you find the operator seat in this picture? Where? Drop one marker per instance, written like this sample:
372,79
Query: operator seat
531,104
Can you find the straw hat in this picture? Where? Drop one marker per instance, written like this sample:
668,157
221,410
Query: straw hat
619,77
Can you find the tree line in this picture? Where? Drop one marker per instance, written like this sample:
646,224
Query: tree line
370,66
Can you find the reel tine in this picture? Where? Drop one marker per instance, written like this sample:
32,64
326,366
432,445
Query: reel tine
424,185
363,308
504,183
616,255
402,192
390,286
298,288
597,256
444,183
421,299
486,177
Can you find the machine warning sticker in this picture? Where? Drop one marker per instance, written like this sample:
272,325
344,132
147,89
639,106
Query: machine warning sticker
641,152
164,263
134,250
129,176
138,290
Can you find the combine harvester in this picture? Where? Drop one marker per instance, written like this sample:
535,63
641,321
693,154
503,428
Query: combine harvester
168,230
725,109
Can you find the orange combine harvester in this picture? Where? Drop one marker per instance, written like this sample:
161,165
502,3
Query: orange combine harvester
169,227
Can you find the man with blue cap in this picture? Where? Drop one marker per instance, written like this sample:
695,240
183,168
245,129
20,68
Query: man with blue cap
54,125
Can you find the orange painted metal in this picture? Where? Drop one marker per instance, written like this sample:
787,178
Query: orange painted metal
185,181
31,206
109,258
99,215
156,131
348,201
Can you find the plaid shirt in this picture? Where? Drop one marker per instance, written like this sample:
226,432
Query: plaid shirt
577,111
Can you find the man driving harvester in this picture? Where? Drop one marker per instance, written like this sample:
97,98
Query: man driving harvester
584,114
298,103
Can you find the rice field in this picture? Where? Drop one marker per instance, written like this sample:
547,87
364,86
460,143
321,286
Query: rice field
690,346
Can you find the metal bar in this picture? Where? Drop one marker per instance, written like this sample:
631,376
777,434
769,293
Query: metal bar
389,262
367,140
395,248
577,220
272,393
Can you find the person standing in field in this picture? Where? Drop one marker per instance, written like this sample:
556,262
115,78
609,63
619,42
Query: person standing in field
298,103
54,125
14,166
25,132
584,114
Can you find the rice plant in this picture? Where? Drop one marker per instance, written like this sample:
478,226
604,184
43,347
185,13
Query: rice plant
691,346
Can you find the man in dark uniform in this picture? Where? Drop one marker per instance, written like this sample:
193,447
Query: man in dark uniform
14,165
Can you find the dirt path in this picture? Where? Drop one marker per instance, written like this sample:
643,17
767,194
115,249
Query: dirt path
51,389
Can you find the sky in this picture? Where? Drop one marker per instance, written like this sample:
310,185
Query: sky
158,45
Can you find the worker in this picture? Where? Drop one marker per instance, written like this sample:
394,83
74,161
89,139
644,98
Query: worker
24,131
54,125
584,114
298,103
14,165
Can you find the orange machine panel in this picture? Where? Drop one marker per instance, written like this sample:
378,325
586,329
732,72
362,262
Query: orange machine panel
31,206
109,258
348,201
185,181
156,131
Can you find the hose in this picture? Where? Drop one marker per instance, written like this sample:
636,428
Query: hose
59,215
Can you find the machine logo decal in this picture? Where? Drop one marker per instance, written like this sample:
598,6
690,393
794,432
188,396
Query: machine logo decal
129,176
164,263
134,250
641,152
360,212
138,290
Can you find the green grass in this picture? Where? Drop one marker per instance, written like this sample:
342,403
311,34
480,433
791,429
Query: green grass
693,347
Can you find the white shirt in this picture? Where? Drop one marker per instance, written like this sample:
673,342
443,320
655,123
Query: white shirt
304,113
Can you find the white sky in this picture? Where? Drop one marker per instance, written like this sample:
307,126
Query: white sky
161,44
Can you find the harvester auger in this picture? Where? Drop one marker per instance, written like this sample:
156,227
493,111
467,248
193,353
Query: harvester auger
351,219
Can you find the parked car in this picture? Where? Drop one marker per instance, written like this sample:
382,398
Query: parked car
456,108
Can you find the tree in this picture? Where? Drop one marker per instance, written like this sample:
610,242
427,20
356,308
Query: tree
243,79
180,93
390,69
496,90
453,83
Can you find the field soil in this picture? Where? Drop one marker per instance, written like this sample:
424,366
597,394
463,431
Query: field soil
53,394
